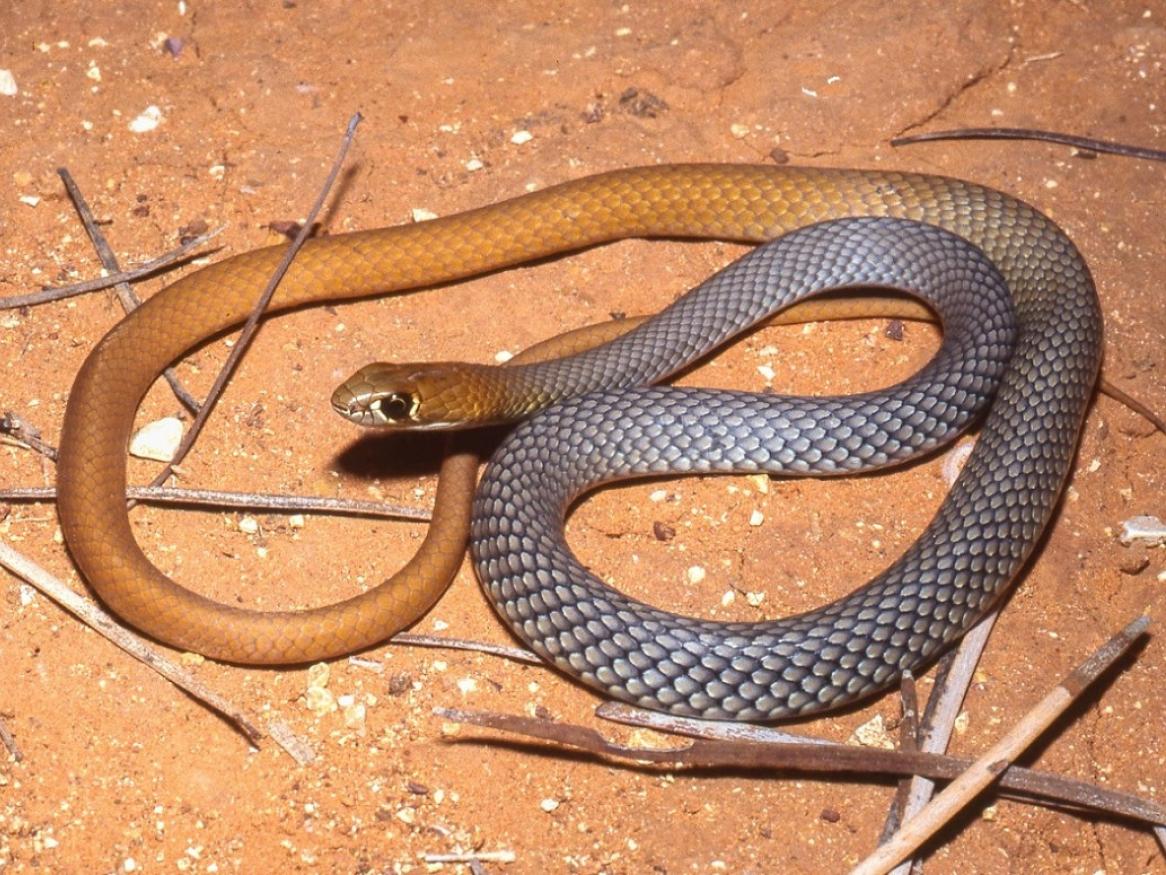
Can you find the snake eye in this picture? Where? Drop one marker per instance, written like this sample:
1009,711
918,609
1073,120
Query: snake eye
396,406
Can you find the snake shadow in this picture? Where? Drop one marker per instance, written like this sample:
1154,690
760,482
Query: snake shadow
410,454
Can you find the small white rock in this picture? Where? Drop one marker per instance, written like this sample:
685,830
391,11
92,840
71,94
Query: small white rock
474,164
520,137
695,574
503,355
149,119
873,733
739,131
319,700
30,200
1146,529
296,521
354,715
421,214
756,518
767,372
248,525
8,84
157,440
549,805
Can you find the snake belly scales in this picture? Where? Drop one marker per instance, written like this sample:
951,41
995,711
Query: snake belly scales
985,529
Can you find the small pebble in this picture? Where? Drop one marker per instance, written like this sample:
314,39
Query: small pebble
520,137
1145,529
249,525
422,215
354,715
474,164
549,805
756,518
157,440
8,84
663,531
873,733
149,119
739,131
695,574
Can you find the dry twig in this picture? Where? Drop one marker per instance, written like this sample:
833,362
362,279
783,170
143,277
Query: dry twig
821,757
129,301
60,293
1086,144
993,762
252,323
92,615
244,500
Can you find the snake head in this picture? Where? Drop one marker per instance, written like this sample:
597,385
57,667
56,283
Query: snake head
426,396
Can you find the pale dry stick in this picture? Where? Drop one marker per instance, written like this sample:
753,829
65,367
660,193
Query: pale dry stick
60,293
129,300
908,741
9,741
943,707
1085,143
252,324
243,500
722,730
516,654
102,623
822,757
471,856
999,756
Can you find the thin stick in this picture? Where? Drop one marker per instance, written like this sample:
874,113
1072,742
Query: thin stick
997,758
11,423
471,856
7,739
243,500
943,707
827,758
90,614
517,654
908,741
1086,143
252,323
129,301
60,293
724,730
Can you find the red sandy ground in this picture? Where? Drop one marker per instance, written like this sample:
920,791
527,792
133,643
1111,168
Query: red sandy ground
121,772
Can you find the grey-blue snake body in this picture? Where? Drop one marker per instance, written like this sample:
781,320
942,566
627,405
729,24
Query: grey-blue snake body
982,534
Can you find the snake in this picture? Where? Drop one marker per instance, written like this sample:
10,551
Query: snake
1050,375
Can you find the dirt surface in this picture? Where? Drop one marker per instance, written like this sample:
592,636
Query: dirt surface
120,772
